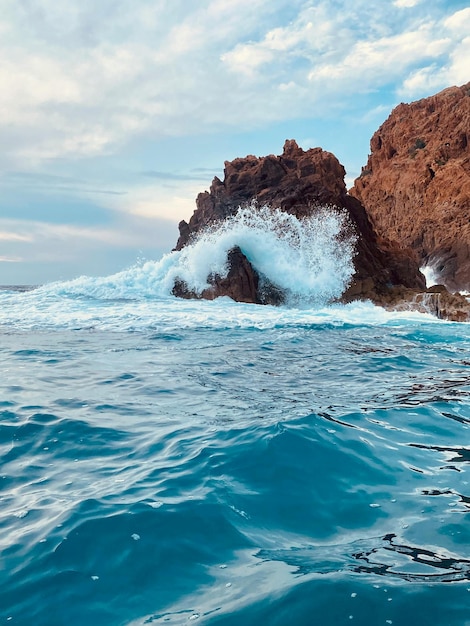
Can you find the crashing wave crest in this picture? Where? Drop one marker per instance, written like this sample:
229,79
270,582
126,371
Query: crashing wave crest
311,259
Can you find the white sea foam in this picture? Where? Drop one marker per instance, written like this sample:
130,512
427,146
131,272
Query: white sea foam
311,259
36,310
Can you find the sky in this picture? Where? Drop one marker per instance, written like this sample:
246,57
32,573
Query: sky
115,115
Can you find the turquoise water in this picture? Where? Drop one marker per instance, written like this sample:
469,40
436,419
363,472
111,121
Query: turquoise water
170,461
165,461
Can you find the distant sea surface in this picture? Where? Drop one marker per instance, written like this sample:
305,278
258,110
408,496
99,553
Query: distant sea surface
169,462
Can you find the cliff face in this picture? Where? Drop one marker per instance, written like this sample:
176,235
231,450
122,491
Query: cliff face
297,182
416,184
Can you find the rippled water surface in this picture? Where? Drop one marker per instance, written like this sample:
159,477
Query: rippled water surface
171,462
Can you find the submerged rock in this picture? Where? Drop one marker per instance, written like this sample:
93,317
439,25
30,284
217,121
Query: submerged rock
416,184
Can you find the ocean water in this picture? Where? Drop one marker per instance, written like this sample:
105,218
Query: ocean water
169,461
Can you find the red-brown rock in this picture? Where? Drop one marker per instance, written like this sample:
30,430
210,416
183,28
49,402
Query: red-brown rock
242,284
435,301
295,182
416,184
298,182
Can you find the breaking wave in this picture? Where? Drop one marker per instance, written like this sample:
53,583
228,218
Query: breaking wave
311,259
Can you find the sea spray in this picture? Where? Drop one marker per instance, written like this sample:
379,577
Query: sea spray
430,275
310,258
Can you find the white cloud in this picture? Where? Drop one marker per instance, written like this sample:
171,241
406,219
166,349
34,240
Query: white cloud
81,79
13,236
39,251
424,80
312,33
385,59
454,68
406,4
44,241
459,22
458,72
156,202
9,259
247,59
430,79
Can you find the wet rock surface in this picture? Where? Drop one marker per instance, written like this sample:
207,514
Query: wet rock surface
242,283
435,301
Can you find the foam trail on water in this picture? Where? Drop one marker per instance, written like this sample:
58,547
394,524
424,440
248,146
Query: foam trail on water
310,258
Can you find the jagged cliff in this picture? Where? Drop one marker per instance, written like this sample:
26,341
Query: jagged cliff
297,182
416,184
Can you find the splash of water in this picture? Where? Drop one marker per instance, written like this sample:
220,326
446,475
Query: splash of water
310,259
430,275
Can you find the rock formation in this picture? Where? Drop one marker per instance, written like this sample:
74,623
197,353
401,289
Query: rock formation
297,182
416,184
435,301
409,207
242,284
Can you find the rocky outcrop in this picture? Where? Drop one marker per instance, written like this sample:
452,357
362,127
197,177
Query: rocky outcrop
242,284
297,182
416,184
435,301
